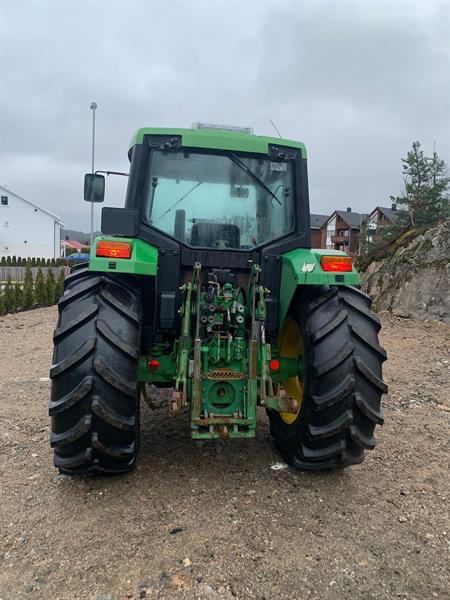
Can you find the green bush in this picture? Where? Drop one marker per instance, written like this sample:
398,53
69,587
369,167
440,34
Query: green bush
28,292
18,296
50,288
59,287
40,289
9,296
2,304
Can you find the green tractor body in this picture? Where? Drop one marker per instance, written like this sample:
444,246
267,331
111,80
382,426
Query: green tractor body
205,283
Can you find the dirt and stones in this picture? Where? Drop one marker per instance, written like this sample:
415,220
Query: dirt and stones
215,521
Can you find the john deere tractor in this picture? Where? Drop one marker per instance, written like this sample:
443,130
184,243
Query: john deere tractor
206,284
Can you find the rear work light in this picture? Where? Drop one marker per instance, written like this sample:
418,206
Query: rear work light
337,264
114,249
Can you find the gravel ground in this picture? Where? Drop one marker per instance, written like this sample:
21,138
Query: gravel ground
215,521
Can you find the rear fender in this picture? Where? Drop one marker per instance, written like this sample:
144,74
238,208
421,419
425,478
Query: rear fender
143,259
302,267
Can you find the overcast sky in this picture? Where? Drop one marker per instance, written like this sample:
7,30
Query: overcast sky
357,82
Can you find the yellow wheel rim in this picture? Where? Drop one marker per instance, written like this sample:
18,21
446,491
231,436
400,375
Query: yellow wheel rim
290,343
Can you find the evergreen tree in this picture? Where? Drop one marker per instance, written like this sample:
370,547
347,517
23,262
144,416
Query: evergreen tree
28,287
39,289
59,288
438,197
50,287
8,296
363,238
426,183
18,296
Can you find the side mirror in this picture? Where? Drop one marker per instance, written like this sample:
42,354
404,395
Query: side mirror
94,188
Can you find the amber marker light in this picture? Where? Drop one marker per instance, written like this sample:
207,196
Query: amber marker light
336,264
113,249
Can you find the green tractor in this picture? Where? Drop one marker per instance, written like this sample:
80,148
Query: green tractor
205,283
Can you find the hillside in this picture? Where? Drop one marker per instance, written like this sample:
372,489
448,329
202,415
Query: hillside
413,281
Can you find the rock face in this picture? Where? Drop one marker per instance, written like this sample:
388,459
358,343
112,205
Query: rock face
414,280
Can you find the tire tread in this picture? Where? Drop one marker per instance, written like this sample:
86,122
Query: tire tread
343,385
94,404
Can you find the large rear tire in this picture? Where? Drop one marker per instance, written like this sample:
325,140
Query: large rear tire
94,404
339,386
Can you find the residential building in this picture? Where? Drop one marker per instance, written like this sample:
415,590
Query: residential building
72,245
318,232
379,218
26,229
342,230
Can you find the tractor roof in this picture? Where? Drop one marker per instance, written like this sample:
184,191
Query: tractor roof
218,139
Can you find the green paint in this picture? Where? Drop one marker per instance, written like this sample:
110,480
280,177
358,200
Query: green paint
289,367
292,274
219,140
143,261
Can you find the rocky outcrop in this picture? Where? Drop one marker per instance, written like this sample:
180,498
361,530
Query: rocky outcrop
414,280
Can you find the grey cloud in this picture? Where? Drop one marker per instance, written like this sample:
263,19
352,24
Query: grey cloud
357,82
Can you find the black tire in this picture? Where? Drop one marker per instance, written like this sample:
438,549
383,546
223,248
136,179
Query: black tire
342,381
94,404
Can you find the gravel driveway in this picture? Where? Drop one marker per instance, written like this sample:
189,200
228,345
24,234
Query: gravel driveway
216,521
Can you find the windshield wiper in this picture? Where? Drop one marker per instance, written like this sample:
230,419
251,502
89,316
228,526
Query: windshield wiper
250,173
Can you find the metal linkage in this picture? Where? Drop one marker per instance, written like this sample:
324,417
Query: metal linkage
197,370
264,392
180,393
254,290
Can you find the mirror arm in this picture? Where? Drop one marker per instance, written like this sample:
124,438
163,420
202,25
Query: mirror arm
113,173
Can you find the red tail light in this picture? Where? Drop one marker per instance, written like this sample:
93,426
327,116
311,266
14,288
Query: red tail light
337,264
274,364
114,249
153,365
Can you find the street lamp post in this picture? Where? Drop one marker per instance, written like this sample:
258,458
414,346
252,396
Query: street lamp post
93,108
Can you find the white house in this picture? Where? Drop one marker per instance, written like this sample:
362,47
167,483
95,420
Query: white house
26,229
